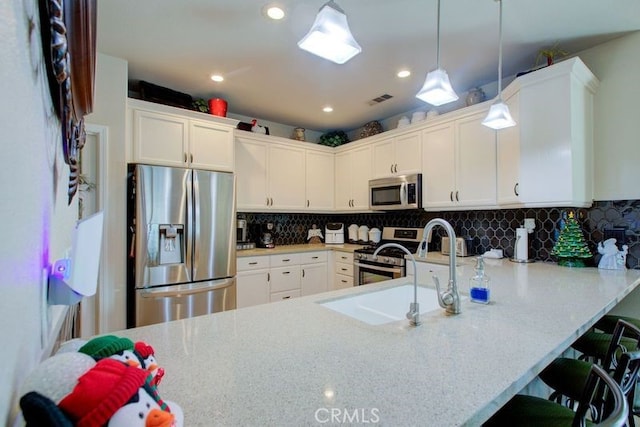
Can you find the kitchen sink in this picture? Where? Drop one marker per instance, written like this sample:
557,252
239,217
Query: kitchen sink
385,306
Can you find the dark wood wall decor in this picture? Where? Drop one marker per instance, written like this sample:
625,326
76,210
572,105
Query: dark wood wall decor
68,31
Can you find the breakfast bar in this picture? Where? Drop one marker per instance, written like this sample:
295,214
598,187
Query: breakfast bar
297,363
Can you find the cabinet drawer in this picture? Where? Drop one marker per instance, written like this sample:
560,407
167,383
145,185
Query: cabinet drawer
341,281
313,257
344,257
279,296
285,278
344,269
284,260
252,263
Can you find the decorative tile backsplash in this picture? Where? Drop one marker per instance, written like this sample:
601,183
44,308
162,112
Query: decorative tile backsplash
487,229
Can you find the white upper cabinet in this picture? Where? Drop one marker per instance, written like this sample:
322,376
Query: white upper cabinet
399,155
459,164
269,176
353,172
320,180
160,138
170,136
211,146
551,147
438,166
508,156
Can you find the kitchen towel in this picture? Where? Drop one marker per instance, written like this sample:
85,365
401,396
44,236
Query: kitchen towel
522,245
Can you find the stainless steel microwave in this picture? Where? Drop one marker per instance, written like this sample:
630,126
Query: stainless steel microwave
396,192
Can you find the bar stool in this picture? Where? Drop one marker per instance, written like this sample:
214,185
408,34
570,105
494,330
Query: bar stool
567,376
600,391
594,345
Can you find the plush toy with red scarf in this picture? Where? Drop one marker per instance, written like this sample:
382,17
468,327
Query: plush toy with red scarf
72,389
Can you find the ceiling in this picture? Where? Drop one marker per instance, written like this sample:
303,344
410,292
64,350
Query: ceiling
179,44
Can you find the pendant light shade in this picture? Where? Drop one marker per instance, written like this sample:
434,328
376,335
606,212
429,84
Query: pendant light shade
499,116
437,88
330,37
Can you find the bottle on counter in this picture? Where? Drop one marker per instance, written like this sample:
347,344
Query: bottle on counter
479,284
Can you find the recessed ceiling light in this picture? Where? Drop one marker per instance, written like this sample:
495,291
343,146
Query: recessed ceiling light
403,73
217,78
275,12
327,109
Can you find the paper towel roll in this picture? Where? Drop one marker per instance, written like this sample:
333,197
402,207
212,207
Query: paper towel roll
522,244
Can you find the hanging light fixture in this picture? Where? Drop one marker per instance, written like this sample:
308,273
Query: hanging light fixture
437,89
499,116
330,37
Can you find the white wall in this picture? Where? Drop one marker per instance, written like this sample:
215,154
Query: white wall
36,221
617,127
109,110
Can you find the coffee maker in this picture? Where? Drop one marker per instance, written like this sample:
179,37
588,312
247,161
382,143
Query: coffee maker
265,235
242,235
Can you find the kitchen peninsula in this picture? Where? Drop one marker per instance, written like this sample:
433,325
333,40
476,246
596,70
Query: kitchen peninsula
298,363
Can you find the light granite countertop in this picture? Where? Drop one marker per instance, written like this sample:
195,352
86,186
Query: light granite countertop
287,249
296,363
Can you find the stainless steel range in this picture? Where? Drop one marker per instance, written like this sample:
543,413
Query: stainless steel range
390,262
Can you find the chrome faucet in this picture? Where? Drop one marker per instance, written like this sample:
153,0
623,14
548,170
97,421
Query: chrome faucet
449,299
414,308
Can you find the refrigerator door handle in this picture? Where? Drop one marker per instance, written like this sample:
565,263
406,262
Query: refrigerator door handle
188,289
193,203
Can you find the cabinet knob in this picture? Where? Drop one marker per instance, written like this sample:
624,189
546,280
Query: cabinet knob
287,297
191,157
391,168
302,273
286,260
516,188
286,272
185,157
451,196
307,203
253,263
457,199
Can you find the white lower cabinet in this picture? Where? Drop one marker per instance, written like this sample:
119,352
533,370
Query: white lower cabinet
343,271
314,273
270,278
426,270
252,281
279,296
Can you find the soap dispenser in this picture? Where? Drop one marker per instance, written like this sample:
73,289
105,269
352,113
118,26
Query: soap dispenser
479,284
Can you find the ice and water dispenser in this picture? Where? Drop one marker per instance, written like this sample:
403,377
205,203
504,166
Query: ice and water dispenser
169,245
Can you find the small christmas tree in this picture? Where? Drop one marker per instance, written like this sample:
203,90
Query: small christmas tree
571,248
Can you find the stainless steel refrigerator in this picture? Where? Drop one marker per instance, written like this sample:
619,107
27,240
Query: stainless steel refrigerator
181,231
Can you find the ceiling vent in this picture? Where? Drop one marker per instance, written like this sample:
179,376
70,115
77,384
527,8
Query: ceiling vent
379,99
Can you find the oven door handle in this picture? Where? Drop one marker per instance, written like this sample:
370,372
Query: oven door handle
378,268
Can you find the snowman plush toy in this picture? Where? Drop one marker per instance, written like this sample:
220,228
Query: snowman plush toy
73,389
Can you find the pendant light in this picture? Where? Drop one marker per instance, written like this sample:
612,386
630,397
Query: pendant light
499,116
437,89
330,37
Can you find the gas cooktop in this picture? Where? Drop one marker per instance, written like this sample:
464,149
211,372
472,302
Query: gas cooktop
410,238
